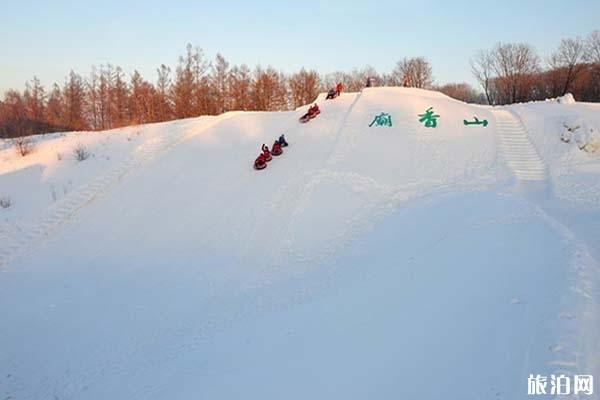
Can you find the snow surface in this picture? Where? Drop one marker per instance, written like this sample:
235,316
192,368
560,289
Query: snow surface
381,262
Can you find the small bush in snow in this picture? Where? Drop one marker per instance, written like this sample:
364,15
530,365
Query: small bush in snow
58,157
5,202
23,146
81,153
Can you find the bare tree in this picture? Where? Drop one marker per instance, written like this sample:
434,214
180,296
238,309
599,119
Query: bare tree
269,90
164,106
202,96
35,100
55,109
482,68
513,64
568,59
240,87
120,99
461,91
592,48
141,100
304,87
183,88
220,84
416,71
74,98
105,95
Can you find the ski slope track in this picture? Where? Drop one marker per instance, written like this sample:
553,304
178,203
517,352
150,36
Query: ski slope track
384,262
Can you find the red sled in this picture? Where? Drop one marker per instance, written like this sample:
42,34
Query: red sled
307,117
277,150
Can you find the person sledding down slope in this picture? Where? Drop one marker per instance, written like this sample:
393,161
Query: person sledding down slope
266,152
282,141
335,92
313,111
260,162
263,158
276,150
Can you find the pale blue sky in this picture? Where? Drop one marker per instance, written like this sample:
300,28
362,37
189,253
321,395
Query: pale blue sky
49,38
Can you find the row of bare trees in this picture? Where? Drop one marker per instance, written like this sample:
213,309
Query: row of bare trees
109,98
513,72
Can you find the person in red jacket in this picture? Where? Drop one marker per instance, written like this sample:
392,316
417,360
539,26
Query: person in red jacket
313,110
276,149
260,162
338,88
266,153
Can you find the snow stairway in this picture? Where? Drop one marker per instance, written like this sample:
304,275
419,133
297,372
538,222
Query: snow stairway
519,152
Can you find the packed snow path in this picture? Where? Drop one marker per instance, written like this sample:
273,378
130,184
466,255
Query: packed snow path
517,148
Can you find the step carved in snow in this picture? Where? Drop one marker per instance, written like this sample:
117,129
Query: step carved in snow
518,151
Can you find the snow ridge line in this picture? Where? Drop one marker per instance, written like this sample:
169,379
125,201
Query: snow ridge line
518,151
23,237
338,131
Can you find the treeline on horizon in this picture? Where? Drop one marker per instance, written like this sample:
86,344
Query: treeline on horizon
109,98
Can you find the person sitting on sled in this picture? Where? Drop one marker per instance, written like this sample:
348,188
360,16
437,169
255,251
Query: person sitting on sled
260,162
282,141
276,149
266,153
313,110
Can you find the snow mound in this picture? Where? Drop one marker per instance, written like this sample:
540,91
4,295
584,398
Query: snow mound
566,99
389,245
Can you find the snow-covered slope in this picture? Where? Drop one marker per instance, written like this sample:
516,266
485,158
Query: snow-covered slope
365,262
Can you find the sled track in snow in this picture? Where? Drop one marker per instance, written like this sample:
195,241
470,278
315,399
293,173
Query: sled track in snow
290,196
296,194
519,152
19,238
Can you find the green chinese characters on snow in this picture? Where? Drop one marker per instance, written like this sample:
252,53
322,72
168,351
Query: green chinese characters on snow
429,118
483,122
383,119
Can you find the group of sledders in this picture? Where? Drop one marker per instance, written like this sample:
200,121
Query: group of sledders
277,149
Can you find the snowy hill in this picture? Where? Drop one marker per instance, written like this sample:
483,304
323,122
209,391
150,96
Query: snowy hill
398,261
